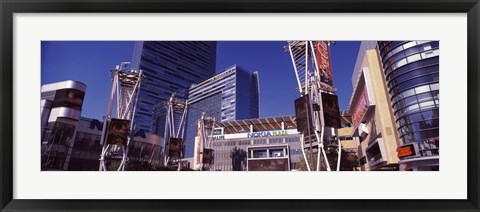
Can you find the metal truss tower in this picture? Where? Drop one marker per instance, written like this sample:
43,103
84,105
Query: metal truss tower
117,132
313,85
174,141
204,152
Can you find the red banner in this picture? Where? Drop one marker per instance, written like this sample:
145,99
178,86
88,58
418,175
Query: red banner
360,108
324,65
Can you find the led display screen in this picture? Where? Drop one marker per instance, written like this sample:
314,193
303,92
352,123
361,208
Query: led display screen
302,113
175,148
208,156
278,164
70,98
331,111
118,131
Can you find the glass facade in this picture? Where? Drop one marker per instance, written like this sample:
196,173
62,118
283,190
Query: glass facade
412,74
170,67
230,95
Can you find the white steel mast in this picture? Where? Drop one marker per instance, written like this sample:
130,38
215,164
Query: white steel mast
173,135
126,86
311,87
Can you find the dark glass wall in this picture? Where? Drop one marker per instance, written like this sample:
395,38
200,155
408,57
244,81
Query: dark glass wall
232,95
170,67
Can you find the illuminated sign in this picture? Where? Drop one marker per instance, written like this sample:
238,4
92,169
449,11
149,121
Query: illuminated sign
360,108
267,134
405,151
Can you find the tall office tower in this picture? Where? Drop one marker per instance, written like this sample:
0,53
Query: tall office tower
170,67
412,75
230,95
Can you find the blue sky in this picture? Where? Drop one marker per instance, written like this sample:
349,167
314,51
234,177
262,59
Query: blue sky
90,61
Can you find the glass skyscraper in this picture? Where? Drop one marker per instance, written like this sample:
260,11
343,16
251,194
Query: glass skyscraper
412,75
170,67
230,95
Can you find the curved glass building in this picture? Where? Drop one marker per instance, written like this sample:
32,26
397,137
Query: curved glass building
412,74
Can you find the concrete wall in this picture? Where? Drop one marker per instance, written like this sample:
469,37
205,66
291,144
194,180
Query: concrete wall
380,121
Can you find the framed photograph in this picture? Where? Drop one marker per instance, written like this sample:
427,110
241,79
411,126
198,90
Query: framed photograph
232,105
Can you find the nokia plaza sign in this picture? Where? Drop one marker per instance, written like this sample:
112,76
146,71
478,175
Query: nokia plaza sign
272,133
267,133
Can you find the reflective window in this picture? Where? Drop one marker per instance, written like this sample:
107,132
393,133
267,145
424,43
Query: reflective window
410,100
412,108
409,44
413,58
411,51
400,77
435,94
410,66
430,114
421,126
426,47
422,89
424,97
416,81
415,117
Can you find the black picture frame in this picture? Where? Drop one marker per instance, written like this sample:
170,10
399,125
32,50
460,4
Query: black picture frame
9,7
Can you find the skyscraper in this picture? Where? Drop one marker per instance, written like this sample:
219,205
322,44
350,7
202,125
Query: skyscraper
170,67
412,75
230,95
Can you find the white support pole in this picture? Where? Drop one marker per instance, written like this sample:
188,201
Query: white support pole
202,141
303,152
316,69
134,98
306,69
105,122
326,159
121,167
172,120
119,106
166,136
320,143
339,150
322,121
295,67
182,121
129,104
